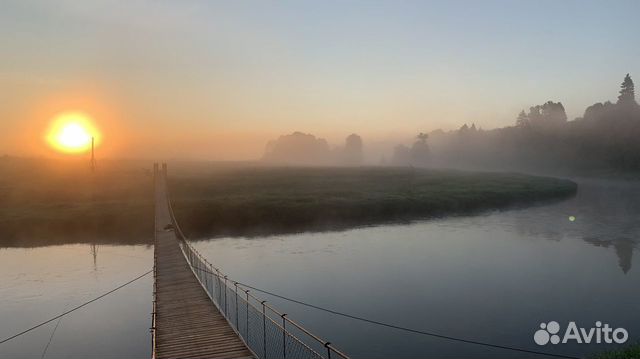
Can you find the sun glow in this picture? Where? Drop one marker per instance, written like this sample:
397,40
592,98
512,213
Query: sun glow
71,132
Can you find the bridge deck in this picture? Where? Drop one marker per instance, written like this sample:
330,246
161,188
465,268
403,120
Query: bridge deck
188,325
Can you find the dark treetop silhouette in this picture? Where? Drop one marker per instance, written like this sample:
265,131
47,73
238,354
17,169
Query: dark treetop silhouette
605,139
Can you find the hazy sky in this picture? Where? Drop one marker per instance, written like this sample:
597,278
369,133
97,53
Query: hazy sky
210,79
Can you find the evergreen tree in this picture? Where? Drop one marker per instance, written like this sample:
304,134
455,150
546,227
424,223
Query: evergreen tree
523,119
627,92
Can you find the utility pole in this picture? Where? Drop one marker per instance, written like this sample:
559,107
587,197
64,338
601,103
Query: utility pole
93,158
94,253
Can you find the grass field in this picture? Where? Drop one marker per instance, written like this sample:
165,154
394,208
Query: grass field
259,200
50,202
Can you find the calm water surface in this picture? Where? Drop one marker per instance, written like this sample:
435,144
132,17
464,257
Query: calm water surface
37,284
491,277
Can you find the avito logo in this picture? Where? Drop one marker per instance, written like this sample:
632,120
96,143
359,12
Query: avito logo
550,333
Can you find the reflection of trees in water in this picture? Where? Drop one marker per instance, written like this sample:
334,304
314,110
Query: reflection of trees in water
624,250
609,212
605,211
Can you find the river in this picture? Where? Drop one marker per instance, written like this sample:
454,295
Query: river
492,277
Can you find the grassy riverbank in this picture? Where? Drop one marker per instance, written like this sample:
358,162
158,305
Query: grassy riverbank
256,201
46,202
53,202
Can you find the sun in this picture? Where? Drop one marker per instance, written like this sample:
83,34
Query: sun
72,132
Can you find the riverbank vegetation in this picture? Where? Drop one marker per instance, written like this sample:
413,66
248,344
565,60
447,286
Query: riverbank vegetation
45,202
266,200
53,202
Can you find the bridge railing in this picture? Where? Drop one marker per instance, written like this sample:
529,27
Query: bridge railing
267,332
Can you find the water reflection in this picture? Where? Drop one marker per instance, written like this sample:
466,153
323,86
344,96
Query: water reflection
94,254
623,247
605,215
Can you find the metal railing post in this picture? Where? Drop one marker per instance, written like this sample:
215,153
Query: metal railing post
219,288
226,311
264,329
236,288
247,330
326,345
206,279
212,284
284,336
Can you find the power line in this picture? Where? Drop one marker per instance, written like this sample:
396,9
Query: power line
410,330
74,309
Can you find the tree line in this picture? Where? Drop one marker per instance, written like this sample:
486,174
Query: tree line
306,149
606,137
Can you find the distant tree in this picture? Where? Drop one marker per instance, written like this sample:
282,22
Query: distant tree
599,111
353,153
298,148
535,116
522,119
550,114
420,150
627,92
553,112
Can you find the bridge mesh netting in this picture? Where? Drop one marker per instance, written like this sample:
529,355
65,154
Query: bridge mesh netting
267,332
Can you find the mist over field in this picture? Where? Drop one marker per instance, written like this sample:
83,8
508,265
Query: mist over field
542,139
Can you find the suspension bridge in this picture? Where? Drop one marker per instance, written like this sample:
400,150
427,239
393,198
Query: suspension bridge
198,312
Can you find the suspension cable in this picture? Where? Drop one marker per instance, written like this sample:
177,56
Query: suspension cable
75,308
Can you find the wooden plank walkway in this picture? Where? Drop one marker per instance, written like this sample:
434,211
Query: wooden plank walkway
187,323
